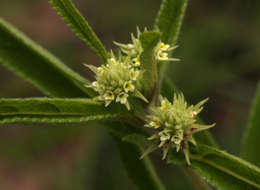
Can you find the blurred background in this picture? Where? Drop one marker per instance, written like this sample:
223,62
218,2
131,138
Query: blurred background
219,48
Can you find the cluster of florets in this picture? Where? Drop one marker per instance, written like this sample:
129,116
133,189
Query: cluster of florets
120,77
162,52
116,81
174,124
134,50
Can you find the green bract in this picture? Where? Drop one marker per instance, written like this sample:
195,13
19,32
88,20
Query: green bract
174,124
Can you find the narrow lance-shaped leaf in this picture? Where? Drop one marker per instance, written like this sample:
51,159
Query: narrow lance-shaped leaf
46,110
21,55
79,25
223,170
141,172
149,40
169,21
250,149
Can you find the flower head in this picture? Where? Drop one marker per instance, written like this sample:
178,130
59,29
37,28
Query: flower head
116,81
174,124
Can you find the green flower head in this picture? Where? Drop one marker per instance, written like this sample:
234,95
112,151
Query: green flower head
116,81
174,124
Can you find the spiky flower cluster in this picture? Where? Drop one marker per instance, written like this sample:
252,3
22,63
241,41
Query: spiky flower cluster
174,124
116,81
120,78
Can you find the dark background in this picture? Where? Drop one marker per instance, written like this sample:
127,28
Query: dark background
219,48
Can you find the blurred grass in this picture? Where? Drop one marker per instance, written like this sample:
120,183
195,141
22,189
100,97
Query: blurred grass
219,47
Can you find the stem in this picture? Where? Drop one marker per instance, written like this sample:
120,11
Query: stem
155,91
197,181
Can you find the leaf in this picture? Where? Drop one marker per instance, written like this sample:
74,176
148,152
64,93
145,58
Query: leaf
150,77
54,110
168,22
223,170
141,172
21,55
79,25
169,19
250,149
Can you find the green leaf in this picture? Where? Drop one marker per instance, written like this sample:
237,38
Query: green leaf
168,22
21,55
223,170
250,149
169,19
46,110
79,25
150,77
141,172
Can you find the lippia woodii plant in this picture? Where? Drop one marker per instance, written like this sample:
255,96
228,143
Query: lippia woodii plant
132,98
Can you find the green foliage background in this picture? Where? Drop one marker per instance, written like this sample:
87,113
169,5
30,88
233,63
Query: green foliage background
219,47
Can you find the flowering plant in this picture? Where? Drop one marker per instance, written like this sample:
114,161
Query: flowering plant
121,81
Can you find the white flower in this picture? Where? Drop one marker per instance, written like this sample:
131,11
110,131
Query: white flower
122,98
128,86
100,70
164,47
109,96
137,62
176,139
164,135
112,61
154,124
193,113
162,55
95,84
134,74
163,105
